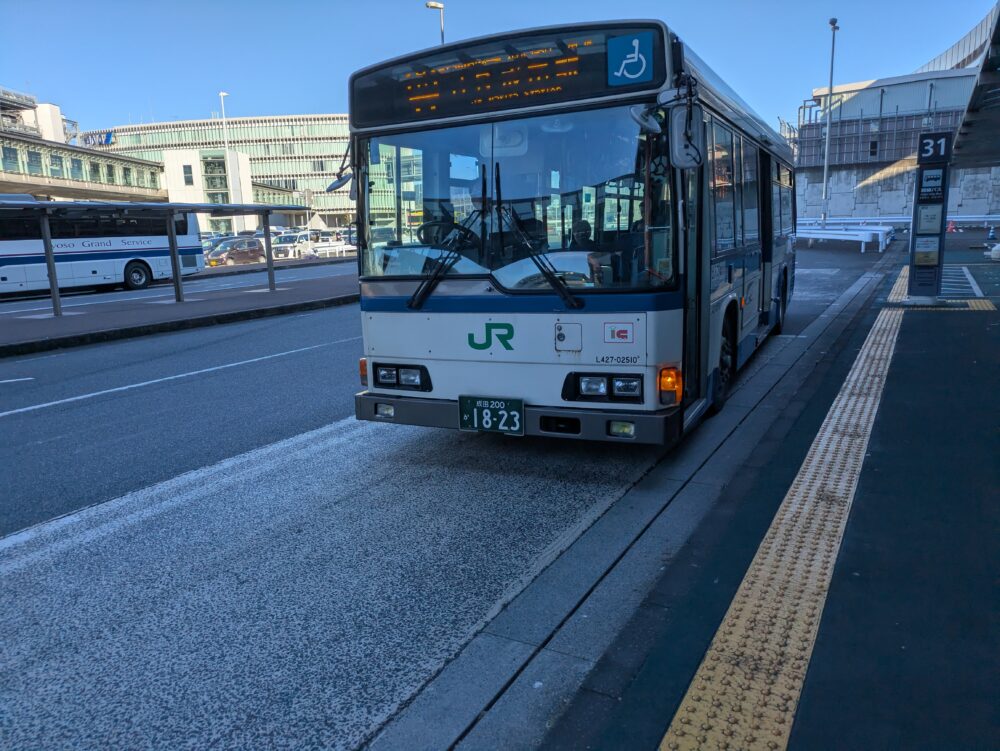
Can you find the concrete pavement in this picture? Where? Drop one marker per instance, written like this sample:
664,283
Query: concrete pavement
904,654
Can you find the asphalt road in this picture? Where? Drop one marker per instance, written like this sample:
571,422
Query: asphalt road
251,566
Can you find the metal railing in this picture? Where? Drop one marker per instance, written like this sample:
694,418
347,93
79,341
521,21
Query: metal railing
900,220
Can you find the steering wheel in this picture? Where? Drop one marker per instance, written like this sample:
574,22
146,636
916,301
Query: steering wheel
425,236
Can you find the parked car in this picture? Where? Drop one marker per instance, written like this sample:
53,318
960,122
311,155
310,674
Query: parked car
208,246
294,244
237,250
245,233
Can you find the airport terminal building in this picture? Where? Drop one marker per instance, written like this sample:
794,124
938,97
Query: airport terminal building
38,157
295,156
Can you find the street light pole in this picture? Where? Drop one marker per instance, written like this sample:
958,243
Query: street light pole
829,116
225,141
439,7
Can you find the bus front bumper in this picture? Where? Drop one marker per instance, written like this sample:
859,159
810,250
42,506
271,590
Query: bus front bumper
661,428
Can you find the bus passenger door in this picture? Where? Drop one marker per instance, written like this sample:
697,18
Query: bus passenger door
753,276
695,302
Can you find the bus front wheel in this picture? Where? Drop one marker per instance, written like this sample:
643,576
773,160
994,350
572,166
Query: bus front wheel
779,324
726,373
137,275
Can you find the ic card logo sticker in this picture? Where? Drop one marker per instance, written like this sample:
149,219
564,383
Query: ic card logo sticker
504,333
619,333
630,59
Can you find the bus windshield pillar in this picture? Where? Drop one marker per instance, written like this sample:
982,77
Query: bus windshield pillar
265,219
50,263
175,261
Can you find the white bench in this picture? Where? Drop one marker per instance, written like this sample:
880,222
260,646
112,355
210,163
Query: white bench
858,235
886,233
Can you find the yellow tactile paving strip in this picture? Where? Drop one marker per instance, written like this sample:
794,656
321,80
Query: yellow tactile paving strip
746,690
898,295
898,291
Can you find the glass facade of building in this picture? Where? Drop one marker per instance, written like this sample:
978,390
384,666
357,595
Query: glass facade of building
296,153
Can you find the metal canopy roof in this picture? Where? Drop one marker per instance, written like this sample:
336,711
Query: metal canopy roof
23,207
978,141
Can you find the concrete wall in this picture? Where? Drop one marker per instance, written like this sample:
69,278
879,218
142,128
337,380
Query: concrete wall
888,191
49,121
240,187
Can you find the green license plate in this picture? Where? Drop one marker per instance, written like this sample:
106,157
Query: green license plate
491,415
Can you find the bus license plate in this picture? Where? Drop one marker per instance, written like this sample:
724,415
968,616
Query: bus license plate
491,415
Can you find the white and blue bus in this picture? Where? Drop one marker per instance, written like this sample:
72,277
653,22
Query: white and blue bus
577,232
95,250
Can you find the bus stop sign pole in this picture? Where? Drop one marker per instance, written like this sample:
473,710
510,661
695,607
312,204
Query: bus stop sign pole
175,261
50,264
930,213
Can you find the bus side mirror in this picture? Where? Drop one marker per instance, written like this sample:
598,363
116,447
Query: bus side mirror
687,136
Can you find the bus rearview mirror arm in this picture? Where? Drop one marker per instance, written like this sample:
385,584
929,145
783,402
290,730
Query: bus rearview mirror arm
687,136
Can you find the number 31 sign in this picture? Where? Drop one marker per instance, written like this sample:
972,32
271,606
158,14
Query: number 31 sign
933,148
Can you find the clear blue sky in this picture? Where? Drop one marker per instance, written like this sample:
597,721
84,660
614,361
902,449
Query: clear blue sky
121,61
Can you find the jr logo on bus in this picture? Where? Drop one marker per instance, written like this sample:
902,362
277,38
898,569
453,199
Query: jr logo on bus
504,332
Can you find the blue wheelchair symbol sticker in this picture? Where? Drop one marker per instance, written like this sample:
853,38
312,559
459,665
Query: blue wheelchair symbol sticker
630,59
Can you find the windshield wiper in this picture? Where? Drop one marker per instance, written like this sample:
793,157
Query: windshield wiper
445,263
422,292
541,260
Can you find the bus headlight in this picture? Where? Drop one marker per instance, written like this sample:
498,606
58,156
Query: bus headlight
593,386
409,377
398,376
626,386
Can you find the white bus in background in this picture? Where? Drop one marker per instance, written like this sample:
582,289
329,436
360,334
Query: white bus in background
95,250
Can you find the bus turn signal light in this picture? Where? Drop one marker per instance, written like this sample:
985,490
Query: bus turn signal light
363,371
671,386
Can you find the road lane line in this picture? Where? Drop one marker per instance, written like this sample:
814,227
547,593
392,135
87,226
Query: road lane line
16,380
746,691
92,523
82,304
972,281
131,386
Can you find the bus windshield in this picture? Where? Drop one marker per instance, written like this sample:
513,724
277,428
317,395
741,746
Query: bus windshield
586,192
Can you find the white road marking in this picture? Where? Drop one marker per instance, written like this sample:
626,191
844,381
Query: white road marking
97,521
131,386
972,282
16,380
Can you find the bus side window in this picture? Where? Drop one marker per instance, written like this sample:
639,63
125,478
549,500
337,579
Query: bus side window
723,197
775,210
751,220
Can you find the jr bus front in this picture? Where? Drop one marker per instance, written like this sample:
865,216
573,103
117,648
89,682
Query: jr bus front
519,244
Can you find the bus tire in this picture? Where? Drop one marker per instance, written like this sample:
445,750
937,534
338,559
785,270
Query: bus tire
779,324
137,275
726,374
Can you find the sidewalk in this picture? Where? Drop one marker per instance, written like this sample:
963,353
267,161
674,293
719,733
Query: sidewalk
122,319
899,649
252,268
